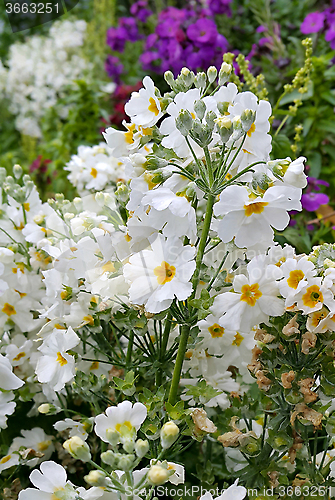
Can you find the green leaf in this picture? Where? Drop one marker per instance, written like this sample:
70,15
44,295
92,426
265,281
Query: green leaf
175,412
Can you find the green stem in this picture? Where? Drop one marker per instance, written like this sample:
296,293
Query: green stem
217,272
130,348
185,329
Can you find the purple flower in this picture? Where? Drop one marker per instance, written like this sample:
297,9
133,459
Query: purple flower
313,23
314,183
261,29
139,10
330,33
203,31
113,68
127,30
219,7
312,201
168,29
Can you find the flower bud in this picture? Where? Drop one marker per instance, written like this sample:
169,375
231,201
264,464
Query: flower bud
200,109
261,182
158,475
201,134
128,445
113,436
247,118
223,107
17,171
224,73
212,74
126,462
78,448
184,122
95,478
187,76
141,447
47,408
190,190
237,128
169,78
122,192
224,127
169,434
110,458
210,119
200,80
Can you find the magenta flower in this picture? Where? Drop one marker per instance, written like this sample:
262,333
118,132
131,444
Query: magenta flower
312,201
203,31
219,7
140,11
313,23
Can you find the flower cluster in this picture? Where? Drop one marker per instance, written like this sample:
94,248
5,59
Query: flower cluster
38,71
182,37
321,21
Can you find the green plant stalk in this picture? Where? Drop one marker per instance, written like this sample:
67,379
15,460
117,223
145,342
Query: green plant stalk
185,329
130,349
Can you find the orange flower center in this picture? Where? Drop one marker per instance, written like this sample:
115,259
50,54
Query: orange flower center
250,294
312,296
153,106
216,330
254,208
164,273
60,359
295,278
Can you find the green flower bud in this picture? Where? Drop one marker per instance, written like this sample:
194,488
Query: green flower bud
169,78
200,80
250,445
17,170
247,118
187,77
26,178
78,448
47,408
110,458
223,107
224,127
141,447
261,182
224,73
128,445
158,475
113,436
237,128
9,180
210,119
190,190
184,122
126,462
200,109
96,478
169,433
212,74
122,193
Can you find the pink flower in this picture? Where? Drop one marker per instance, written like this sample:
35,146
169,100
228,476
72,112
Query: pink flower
313,23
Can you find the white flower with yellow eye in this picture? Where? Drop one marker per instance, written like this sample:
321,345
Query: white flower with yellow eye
8,381
296,275
120,423
254,299
215,337
314,295
56,366
50,481
158,274
34,439
250,220
144,107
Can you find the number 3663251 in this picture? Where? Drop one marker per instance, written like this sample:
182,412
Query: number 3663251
32,8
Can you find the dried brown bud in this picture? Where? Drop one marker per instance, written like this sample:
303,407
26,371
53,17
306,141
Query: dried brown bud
308,342
302,411
305,389
230,438
287,378
202,422
273,476
262,381
292,327
255,365
263,336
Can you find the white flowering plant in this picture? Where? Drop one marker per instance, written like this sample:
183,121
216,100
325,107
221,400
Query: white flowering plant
153,331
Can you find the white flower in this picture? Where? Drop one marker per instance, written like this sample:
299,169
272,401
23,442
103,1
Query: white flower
52,479
296,275
7,407
254,298
56,367
215,337
159,274
8,381
120,423
144,107
249,219
75,428
234,492
37,440
8,461
314,294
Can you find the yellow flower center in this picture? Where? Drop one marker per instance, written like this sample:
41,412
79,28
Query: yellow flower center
8,309
56,497
312,296
94,172
44,445
5,459
94,365
164,273
26,207
237,339
254,208
89,319
318,316
251,130
129,135
108,267
216,330
126,424
19,356
250,294
60,359
153,106
295,278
